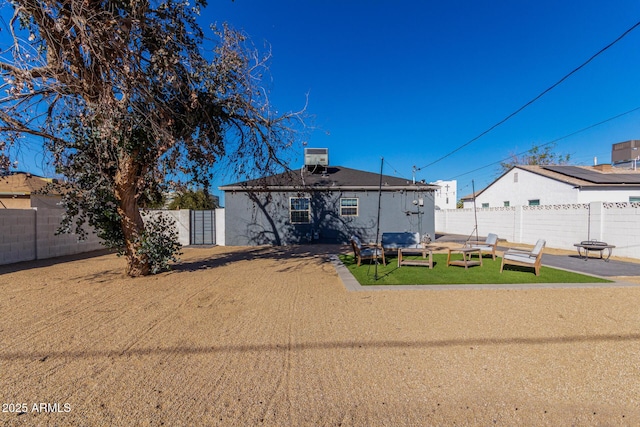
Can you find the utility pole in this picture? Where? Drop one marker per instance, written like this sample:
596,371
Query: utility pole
378,247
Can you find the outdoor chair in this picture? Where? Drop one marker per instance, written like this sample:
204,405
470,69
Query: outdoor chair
363,252
524,258
489,245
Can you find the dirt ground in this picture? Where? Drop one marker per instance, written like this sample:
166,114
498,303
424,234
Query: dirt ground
270,336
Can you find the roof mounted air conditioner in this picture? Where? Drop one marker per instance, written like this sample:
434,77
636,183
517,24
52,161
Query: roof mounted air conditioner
316,157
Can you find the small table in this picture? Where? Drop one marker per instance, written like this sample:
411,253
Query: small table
593,245
466,260
415,251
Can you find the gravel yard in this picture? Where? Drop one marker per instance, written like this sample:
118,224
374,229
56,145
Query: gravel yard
270,336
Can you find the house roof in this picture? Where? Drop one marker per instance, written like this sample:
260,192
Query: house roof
602,176
335,177
22,184
591,176
587,176
469,197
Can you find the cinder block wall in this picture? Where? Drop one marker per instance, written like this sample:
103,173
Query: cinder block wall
29,234
621,227
17,235
52,245
560,225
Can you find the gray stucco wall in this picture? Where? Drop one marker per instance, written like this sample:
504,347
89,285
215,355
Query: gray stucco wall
263,217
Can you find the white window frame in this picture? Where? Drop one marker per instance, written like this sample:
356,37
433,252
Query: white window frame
293,211
356,207
534,202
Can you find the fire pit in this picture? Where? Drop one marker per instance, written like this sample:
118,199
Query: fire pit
586,246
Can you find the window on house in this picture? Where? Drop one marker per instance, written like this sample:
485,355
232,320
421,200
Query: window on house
506,204
634,199
349,206
485,205
534,202
300,210
515,177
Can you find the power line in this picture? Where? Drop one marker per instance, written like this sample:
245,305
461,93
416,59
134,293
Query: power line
553,141
544,92
394,169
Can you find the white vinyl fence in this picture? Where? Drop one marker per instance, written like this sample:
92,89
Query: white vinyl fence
560,225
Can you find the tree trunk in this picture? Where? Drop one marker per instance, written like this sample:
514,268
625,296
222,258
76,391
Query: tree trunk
131,220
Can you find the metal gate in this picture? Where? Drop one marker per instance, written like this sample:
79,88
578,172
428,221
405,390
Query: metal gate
202,227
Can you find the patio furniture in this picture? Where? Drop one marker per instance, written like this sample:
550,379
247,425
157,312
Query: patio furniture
586,246
489,245
392,241
525,258
404,239
366,252
466,260
415,251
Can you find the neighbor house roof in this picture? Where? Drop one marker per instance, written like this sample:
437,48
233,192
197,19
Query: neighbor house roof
332,178
601,176
588,176
22,184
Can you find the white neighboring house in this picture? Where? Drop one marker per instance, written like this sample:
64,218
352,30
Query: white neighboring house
553,185
446,196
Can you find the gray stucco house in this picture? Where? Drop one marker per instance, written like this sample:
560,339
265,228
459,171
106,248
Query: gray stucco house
324,204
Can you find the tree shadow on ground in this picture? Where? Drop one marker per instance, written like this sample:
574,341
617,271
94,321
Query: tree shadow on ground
317,253
48,262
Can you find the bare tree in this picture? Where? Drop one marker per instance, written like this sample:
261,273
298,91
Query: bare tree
126,101
537,155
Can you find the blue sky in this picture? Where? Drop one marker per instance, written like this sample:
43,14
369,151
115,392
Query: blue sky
411,81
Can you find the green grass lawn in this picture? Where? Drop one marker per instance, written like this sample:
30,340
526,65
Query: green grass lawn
489,273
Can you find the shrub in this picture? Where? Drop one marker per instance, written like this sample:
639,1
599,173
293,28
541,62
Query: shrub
159,243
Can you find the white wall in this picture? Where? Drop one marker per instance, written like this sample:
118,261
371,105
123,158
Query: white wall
560,225
220,229
529,186
180,218
619,195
